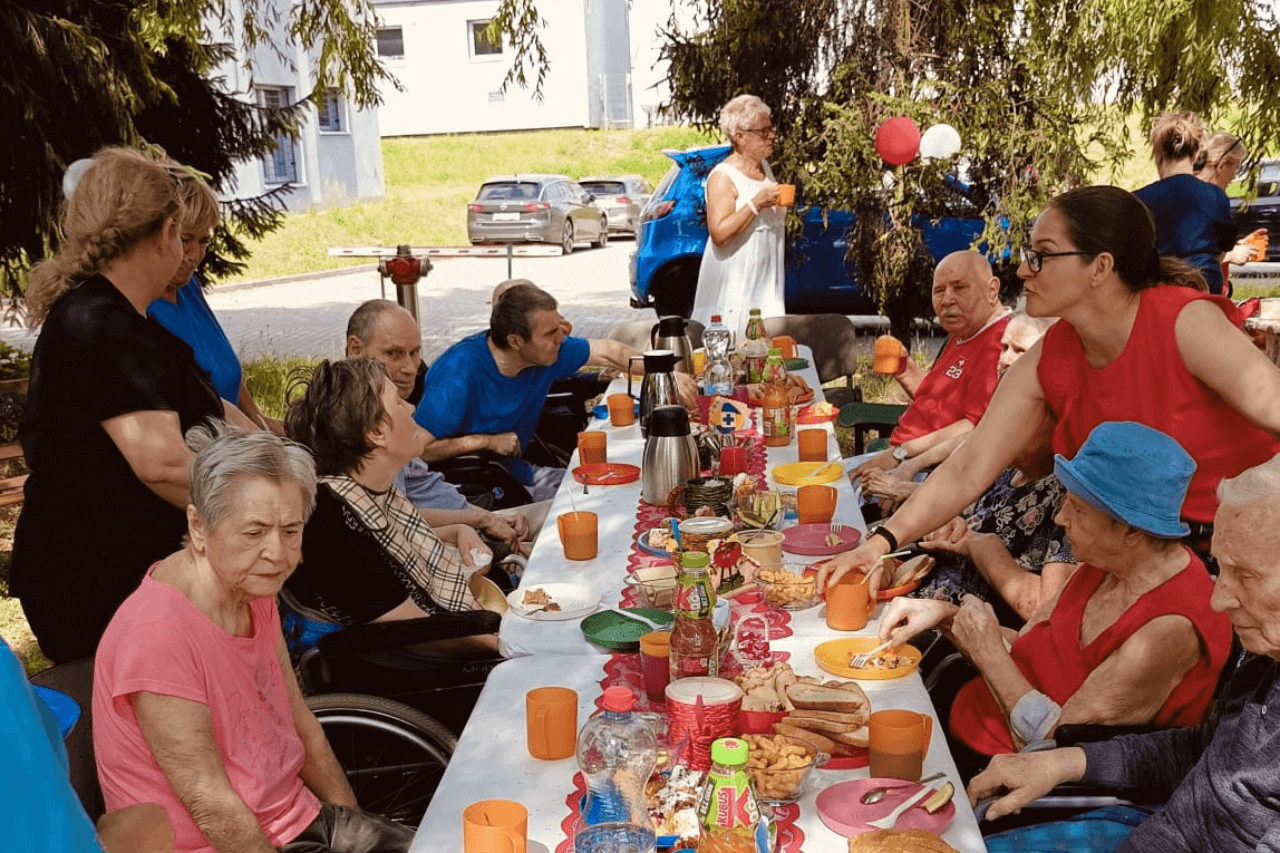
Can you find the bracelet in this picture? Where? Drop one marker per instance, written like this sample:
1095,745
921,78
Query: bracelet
887,535
751,204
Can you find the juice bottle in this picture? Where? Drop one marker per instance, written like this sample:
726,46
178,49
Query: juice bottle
757,342
695,643
775,410
729,816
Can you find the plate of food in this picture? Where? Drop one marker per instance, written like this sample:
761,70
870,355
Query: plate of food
672,797
834,656
818,413
840,807
798,392
553,602
658,541
606,474
808,473
906,576
819,540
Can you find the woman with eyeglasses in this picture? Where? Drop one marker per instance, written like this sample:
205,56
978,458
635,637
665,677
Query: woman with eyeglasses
1193,217
1131,346
742,264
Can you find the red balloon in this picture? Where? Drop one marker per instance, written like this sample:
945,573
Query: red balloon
898,140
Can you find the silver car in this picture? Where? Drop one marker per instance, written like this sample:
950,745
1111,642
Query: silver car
621,198
535,209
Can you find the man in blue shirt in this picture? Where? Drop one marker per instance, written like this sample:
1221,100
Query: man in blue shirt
487,391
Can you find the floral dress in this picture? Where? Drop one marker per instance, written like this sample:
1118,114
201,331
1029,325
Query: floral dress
1022,516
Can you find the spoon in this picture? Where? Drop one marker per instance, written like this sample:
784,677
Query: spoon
636,616
876,794
585,478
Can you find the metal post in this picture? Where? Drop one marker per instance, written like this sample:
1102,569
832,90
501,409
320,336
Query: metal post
511,253
407,296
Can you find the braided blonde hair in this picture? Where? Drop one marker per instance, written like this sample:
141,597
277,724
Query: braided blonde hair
123,198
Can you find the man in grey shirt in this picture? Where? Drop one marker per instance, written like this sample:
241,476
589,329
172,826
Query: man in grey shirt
1221,779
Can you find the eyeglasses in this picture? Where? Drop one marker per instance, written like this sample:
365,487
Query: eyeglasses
1035,260
762,132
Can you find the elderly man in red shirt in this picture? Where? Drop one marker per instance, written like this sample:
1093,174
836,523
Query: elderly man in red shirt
948,399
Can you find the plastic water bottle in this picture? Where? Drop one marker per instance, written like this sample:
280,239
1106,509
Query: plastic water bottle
717,378
617,752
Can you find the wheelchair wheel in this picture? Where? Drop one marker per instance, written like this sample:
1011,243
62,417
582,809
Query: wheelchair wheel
393,755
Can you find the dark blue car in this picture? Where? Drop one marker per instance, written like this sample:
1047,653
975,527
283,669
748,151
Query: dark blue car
673,234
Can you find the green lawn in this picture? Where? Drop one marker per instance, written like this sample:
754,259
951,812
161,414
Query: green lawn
429,181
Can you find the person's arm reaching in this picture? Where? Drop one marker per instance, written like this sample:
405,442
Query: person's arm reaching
504,444
151,442
1220,356
249,406
321,771
725,220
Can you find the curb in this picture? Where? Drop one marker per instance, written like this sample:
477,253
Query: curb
289,279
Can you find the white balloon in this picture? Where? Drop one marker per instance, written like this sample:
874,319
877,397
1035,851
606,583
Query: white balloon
940,142
71,179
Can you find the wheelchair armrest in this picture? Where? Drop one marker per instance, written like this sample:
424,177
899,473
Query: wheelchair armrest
1073,734
383,636
1071,796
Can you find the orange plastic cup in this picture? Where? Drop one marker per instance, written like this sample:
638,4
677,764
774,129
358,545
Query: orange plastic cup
888,355
786,195
899,743
495,826
622,409
849,603
812,444
787,344
551,716
578,534
593,447
816,504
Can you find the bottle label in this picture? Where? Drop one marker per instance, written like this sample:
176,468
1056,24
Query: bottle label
728,801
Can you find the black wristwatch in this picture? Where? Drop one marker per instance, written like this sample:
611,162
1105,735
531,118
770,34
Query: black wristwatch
887,535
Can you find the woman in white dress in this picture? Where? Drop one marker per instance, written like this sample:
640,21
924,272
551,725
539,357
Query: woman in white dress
742,264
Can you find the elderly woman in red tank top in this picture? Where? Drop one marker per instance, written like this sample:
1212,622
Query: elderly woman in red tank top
1131,347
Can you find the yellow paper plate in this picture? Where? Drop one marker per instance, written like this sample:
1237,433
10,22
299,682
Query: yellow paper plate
801,473
488,594
834,657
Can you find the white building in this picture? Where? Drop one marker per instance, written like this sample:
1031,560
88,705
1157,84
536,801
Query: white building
452,72
336,158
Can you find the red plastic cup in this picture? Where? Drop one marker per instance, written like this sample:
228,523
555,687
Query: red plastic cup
655,654
733,460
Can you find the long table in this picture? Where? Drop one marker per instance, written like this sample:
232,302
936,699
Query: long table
492,759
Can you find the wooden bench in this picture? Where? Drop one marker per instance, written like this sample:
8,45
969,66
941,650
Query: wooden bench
11,487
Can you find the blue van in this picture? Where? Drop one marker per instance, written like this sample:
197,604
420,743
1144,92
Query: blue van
673,234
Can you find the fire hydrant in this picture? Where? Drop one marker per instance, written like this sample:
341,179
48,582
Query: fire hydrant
404,270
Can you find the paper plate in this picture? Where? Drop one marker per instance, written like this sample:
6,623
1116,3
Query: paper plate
802,473
810,540
861,758
608,630
488,594
886,594
642,542
575,599
607,474
840,807
834,655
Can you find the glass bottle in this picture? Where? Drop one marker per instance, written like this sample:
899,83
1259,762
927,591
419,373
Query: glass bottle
695,643
757,346
775,409
729,818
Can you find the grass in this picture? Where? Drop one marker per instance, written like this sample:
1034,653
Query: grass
268,379
429,181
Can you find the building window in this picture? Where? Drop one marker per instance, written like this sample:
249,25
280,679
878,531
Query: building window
279,166
481,44
391,43
329,114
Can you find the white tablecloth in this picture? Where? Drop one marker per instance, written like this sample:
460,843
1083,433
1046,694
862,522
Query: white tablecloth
617,506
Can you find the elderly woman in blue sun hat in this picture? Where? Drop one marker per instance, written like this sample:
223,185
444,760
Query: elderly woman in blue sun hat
1130,639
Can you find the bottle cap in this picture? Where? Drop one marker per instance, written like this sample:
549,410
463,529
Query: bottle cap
694,559
754,311
730,751
618,699
715,318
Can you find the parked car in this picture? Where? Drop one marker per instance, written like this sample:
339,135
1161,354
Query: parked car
621,198
1264,211
819,280
535,209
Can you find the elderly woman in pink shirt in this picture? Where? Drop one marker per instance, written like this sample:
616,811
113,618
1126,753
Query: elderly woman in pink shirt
195,703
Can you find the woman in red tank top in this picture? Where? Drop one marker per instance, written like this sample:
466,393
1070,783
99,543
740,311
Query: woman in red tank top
1130,347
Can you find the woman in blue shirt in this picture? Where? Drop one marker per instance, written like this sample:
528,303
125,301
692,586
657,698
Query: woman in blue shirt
184,311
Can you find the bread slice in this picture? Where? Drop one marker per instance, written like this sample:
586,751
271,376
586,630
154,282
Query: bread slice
821,741
848,698
899,841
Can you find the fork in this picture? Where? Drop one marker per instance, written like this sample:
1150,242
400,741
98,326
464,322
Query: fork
585,478
891,819
863,658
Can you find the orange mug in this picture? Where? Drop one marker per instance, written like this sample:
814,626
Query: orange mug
495,826
849,603
816,504
593,447
551,717
812,444
622,409
787,344
578,534
786,195
899,743
888,356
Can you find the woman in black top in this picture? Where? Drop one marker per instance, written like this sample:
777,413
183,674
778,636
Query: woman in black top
111,395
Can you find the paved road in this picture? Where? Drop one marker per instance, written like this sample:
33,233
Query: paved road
307,316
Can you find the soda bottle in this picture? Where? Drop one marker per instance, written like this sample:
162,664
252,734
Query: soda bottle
729,818
695,643
617,752
775,409
757,346
717,378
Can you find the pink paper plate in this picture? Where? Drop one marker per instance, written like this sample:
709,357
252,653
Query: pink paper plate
810,540
841,810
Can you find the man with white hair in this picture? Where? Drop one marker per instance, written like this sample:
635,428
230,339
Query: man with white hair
1221,779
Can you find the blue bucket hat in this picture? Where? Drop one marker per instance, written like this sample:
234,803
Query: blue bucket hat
1134,474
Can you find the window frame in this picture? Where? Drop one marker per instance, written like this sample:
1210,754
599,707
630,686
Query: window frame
473,26
270,173
333,95
390,57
